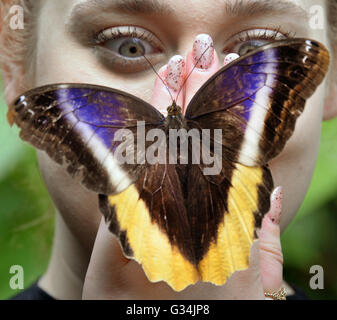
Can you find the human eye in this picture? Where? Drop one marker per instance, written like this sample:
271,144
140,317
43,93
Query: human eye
248,40
123,48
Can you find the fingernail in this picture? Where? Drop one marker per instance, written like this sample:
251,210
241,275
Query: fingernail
276,205
203,51
230,57
175,72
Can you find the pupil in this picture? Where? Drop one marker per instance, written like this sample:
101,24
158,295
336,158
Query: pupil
133,50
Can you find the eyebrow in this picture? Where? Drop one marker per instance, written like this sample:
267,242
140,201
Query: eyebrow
258,7
125,6
92,14
231,8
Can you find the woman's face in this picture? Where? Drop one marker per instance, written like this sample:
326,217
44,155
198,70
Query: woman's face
67,51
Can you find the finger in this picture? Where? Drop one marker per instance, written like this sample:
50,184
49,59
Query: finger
204,62
168,84
246,284
106,263
230,57
110,275
271,257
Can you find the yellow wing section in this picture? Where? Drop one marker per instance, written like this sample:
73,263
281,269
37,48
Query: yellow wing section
230,252
150,246
163,261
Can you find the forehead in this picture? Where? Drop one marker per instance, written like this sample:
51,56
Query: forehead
201,6
191,16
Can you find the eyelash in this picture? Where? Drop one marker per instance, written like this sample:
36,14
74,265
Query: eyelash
122,63
257,34
264,35
124,32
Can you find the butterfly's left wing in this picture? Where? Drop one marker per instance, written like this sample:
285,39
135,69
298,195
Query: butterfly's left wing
143,204
78,124
255,100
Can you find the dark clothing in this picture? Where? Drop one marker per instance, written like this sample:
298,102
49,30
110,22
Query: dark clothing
33,293
36,293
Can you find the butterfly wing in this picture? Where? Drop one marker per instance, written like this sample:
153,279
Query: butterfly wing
77,124
156,212
257,98
255,101
143,204
151,220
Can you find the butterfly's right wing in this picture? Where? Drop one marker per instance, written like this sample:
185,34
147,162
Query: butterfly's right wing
78,124
255,101
257,98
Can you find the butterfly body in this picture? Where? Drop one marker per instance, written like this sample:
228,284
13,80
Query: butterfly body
186,215
175,118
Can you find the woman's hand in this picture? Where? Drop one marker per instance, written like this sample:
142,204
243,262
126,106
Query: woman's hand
112,276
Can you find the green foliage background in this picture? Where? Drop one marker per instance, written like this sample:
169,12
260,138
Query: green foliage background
26,216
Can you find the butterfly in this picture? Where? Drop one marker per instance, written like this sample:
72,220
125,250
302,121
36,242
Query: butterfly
179,223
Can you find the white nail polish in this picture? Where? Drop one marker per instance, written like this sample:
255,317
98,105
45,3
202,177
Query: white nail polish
277,194
203,51
175,72
230,57
276,205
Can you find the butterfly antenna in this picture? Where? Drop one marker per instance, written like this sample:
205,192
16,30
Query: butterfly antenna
191,72
168,90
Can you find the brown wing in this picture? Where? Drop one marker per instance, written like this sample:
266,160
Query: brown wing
78,124
257,99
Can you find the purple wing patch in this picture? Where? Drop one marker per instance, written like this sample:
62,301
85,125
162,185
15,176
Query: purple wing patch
261,94
76,125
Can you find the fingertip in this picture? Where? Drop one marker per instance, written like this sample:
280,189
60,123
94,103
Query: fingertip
175,73
196,76
203,51
168,84
160,97
162,73
206,72
275,211
271,221
230,57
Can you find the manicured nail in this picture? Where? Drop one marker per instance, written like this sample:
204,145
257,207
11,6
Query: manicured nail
175,72
276,205
230,57
203,51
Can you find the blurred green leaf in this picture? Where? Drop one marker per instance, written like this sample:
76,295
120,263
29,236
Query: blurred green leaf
26,223
26,211
12,148
324,183
311,238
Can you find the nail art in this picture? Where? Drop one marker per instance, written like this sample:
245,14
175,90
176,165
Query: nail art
276,210
201,43
230,57
175,72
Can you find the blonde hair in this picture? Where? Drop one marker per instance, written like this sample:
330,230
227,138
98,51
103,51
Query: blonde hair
18,47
